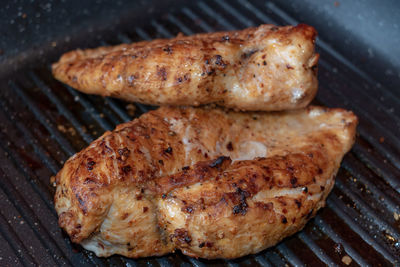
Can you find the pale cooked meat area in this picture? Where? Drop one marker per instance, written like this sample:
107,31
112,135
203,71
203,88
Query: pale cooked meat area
262,68
212,183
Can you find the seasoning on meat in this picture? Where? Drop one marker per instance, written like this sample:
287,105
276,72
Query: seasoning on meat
260,68
202,197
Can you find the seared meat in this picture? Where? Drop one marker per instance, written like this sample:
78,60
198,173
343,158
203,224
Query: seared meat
212,183
263,68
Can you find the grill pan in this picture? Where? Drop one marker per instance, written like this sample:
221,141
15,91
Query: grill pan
44,122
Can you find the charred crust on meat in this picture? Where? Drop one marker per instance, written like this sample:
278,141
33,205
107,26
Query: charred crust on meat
131,137
145,209
248,54
206,244
293,181
168,50
298,203
82,203
274,29
188,209
241,208
218,162
225,38
90,163
229,146
290,168
162,73
123,152
265,63
131,79
266,168
282,201
210,72
107,149
283,219
219,61
168,150
202,204
89,180
161,162
126,168
265,206
185,168
186,77
181,236
266,178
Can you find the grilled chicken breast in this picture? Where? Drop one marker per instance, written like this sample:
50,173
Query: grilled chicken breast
263,68
212,183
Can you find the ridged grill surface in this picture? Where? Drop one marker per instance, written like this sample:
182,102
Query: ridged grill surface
44,122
